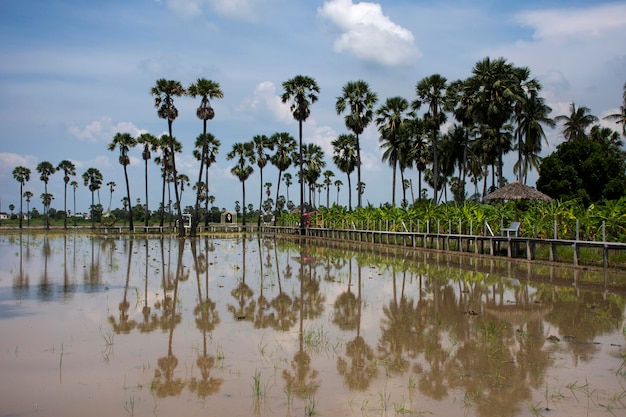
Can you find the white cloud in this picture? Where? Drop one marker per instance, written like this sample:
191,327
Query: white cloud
103,130
368,34
578,22
265,98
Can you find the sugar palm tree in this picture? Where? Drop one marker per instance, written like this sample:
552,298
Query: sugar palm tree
285,145
390,118
345,157
313,156
68,169
21,175
164,92
93,180
124,141
431,91
245,157
74,185
45,169
620,116
206,90
150,144
288,181
496,85
303,90
328,174
338,184
357,96
261,144
533,114
27,195
207,148
111,186
575,125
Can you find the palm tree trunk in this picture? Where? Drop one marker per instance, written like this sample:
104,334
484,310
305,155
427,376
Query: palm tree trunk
146,180
181,226
358,170
130,205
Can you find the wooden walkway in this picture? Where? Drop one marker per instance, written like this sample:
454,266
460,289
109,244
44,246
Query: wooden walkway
510,246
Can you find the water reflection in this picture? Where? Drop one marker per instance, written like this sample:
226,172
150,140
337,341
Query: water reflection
256,324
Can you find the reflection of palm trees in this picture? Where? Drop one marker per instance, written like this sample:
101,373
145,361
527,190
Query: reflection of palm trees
164,383
362,368
207,318
244,310
301,380
45,289
150,320
125,325
21,281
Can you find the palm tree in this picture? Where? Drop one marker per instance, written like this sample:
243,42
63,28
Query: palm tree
620,117
419,153
575,125
303,90
74,186
150,144
164,92
533,114
496,85
431,90
27,195
93,180
165,161
111,185
288,181
124,141
261,144
314,162
361,100
285,145
390,118
244,153
21,175
68,169
328,174
338,184
346,158
207,148
45,169
207,90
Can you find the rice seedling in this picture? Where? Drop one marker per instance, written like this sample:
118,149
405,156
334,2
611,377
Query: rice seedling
310,408
129,406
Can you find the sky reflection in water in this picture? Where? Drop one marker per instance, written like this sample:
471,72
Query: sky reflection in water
234,327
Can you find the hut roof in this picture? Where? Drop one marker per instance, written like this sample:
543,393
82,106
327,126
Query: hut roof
516,191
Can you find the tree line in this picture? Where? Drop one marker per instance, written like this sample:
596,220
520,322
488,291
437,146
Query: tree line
496,110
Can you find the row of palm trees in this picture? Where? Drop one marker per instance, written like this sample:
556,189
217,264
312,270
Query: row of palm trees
496,109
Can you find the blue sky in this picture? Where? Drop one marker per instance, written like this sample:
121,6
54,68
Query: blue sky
74,72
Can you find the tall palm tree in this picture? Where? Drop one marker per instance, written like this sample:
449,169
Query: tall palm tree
244,154
338,184
345,156
285,145
165,162
111,185
313,163
533,114
68,169
28,195
150,144
496,85
261,144
361,101
431,90
303,90
328,174
575,125
93,180
620,117
419,153
21,175
45,169
207,148
164,92
390,118
124,141
74,185
288,181
207,90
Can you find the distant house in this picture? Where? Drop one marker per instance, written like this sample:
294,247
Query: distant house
4,216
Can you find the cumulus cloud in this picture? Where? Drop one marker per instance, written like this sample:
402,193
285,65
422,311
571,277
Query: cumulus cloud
265,98
368,34
103,130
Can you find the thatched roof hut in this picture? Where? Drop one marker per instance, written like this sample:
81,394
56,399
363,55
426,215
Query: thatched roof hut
517,191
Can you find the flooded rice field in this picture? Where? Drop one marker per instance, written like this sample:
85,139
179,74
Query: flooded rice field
258,326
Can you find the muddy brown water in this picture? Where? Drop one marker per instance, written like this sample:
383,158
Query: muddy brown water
242,326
